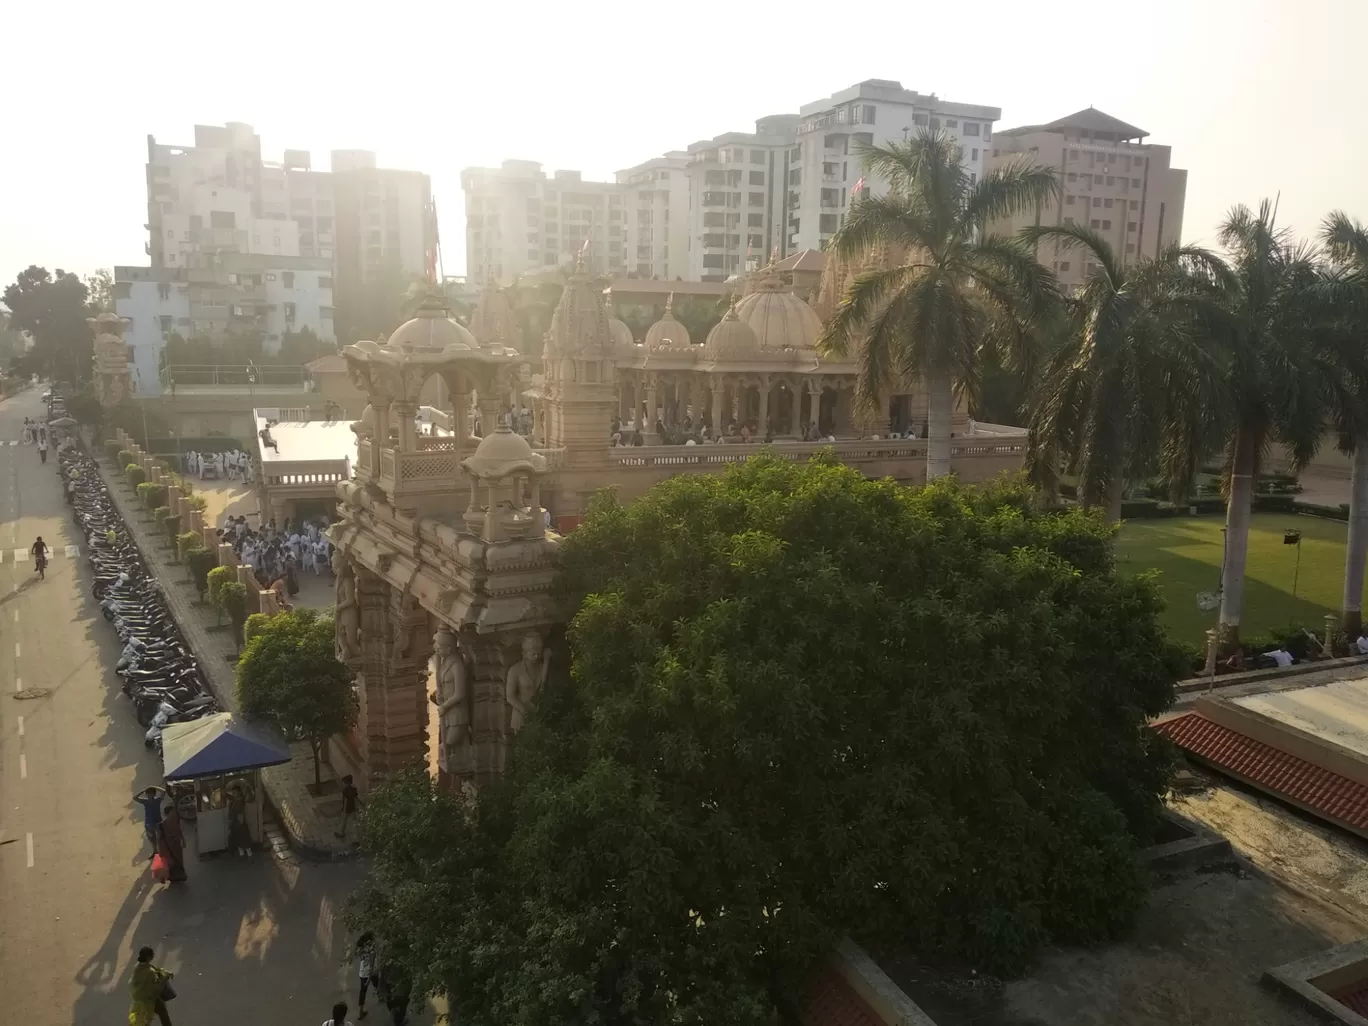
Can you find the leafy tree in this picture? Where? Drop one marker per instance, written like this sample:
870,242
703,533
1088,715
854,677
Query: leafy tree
218,577
699,316
958,290
53,308
301,347
99,291
374,307
85,409
232,598
1130,363
289,675
188,542
801,704
1343,347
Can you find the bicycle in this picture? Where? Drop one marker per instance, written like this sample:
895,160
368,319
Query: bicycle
41,567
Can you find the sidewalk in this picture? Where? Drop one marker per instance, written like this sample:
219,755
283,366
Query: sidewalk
309,822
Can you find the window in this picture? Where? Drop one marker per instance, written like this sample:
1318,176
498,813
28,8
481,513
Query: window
831,197
935,124
1135,204
163,291
1069,220
1073,154
1130,226
757,178
1111,179
971,128
288,277
987,132
165,320
757,156
289,309
1063,265
324,281
868,116
996,152
1097,201
1095,223
1106,226
920,119
951,123
1130,247
826,223
757,199
796,176
1073,175
1135,183
1068,201
755,220
1108,203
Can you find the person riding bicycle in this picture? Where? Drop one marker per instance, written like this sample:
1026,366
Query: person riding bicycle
40,555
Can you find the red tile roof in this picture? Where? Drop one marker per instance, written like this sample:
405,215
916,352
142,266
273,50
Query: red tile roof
831,1001
1355,1000
1328,794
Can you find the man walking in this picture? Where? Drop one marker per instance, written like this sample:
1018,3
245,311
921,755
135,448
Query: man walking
351,801
151,801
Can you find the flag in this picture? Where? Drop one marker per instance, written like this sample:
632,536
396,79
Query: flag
432,243
859,184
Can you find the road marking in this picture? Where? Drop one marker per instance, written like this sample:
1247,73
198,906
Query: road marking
28,849
21,555
16,616
72,550
21,726
23,766
18,684
14,441
16,650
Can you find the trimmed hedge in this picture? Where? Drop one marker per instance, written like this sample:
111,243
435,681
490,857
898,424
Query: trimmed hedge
198,502
201,563
171,524
112,449
1143,509
187,543
135,474
1340,512
152,495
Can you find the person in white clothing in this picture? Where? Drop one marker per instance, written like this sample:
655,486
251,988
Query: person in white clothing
1281,656
1361,644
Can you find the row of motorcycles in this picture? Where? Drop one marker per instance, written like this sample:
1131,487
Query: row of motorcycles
160,676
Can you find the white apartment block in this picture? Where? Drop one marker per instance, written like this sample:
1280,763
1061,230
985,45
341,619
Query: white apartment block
656,212
267,294
385,221
824,163
519,221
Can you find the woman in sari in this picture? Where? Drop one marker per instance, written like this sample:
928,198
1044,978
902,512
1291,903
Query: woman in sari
171,844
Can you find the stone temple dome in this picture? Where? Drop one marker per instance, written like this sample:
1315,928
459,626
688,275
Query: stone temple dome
778,317
617,328
503,452
731,338
667,331
431,328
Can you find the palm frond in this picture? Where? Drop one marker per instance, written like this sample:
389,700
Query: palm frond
1020,184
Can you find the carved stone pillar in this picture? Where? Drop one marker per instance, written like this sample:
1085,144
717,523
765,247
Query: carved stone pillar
488,658
715,410
762,426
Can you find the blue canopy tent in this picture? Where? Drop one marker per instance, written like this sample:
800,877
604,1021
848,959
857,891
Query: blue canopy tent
222,755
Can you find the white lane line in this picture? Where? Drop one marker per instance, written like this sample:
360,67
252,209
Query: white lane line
16,616
23,766
28,849
16,650
21,726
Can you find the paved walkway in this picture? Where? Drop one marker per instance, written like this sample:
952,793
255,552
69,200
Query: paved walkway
309,822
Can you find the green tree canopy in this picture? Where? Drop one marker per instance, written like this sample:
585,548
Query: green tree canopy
289,675
53,308
801,704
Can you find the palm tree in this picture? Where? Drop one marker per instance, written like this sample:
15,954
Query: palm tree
1273,384
1128,358
957,290
1343,345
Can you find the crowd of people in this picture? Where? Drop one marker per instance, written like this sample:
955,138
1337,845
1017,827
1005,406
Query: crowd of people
231,464
278,555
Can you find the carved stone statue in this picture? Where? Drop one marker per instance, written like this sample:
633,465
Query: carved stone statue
347,620
452,697
525,678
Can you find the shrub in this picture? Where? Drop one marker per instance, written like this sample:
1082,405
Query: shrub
218,577
201,562
233,601
187,543
161,513
1340,512
113,449
1275,504
198,502
135,474
126,456
152,495
171,524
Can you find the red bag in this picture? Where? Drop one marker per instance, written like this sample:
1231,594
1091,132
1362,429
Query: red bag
160,870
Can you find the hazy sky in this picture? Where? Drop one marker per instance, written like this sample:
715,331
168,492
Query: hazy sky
1254,96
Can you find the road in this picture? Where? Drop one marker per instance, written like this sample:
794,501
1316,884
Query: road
255,941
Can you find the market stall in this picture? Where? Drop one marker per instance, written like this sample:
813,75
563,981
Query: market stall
223,756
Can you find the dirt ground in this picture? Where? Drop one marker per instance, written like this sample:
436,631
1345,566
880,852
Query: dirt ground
1203,941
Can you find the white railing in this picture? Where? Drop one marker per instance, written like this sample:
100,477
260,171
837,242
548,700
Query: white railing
846,452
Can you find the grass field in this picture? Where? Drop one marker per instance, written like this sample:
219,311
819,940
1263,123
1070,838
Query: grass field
1187,553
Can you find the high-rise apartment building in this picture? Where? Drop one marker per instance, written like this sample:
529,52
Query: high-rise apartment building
519,221
825,165
1112,181
238,244
656,217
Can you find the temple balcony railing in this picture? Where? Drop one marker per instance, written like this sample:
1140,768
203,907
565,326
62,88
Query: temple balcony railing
851,452
311,474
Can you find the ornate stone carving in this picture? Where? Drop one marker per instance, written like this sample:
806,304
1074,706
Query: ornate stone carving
347,619
452,698
525,678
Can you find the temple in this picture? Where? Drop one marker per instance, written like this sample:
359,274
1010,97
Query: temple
445,547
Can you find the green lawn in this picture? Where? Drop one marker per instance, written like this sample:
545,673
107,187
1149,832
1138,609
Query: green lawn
1187,553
